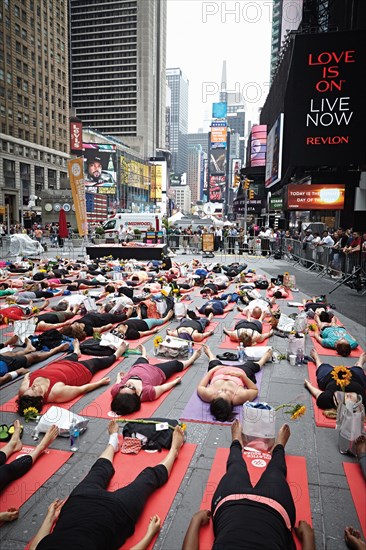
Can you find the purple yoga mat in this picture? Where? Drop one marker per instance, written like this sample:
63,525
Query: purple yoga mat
197,410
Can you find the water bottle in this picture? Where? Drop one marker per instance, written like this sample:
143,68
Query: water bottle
190,349
74,435
299,357
241,353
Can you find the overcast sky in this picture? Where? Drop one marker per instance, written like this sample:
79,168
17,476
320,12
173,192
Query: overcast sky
201,34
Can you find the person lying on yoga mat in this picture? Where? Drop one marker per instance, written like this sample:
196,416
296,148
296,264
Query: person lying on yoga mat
192,328
19,313
249,331
146,382
90,323
327,385
225,386
133,329
215,307
64,379
20,466
324,319
264,304
277,291
93,517
244,516
335,337
48,321
16,363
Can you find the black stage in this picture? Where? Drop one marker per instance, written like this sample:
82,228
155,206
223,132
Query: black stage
119,252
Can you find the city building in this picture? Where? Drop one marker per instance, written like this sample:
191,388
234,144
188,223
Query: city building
168,116
235,111
194,172
178,84
183,198
199,138
286,17
34,104
118,59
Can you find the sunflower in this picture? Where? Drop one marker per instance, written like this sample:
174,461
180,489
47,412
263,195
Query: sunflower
157,341
31,413
164,293
298,411
342,375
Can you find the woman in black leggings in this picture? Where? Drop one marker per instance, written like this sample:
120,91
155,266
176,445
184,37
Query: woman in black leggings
246,517
22,465
93,517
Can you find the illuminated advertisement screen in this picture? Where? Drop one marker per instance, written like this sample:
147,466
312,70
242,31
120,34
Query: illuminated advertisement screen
219,110
274,153
258,145
217,161
325,104
315,197
218,135
100,168
216,192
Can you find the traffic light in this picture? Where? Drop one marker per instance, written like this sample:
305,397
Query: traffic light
236,181
246,183
251,194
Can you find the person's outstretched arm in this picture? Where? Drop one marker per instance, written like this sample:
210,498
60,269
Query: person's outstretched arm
191,540
52,515
67,393
152,529
305,533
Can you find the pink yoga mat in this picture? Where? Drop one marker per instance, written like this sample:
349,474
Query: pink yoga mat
357,486
296,476
327,351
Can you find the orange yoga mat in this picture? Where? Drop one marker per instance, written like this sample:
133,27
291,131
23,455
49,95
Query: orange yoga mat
357,486
356,353
100,406
20,490
320,420
296,477
289,297
10,406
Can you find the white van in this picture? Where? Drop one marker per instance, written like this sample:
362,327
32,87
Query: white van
132,221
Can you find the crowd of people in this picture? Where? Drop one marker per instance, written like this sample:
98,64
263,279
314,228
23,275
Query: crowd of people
138,303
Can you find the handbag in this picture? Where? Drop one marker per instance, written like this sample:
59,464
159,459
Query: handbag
92,347
131,445
180,310
62,418
350,423
173,347
153,433
259,426
294,344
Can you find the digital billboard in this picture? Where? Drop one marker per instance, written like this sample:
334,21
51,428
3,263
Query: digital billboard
216,191
315,197
218,135
217,161
325,110
219,110
258,145
274,153
100,168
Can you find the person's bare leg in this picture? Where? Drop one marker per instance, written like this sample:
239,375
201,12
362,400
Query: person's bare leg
143,351
236,432
121,350
360,445
172,332
168,316
37,356
15,443
28,349
283,435
113,443
177,443
192,359
361,360
266,357
208,352
314,355
77,347
48,438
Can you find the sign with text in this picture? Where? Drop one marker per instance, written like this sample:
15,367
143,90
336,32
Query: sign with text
276,203
76,176
315,197
76,137
325,106
218,135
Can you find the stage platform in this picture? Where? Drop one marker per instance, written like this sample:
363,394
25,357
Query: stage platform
154,252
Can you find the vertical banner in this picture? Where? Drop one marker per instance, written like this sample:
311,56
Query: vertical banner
76,136
76,176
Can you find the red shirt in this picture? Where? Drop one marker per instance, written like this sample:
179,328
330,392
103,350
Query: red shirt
71,373
13,312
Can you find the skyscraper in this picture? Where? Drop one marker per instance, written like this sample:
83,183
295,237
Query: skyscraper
178,83
118,58
33,102
287,15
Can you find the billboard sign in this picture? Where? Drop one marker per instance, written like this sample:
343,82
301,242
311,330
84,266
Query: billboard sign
217,161
325,104
100,167
258,145
315,197
219,110
216,192
76,137
274,153
276,203
218,135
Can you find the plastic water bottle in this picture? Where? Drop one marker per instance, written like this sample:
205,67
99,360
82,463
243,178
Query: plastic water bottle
241,352
299,357
74,435
190,349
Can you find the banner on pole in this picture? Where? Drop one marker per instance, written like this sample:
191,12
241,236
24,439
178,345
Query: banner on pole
76,176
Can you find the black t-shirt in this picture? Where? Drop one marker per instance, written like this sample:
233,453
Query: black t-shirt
135,326
93,320
51,318
191,323
329,387
253,325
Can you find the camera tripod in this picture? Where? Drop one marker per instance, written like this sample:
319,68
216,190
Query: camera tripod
356,281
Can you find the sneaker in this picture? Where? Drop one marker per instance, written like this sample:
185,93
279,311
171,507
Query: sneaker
295,289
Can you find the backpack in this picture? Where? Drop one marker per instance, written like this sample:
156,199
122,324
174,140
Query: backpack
92,347
262,284
156,439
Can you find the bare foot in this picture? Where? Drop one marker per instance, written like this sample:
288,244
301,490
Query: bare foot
236,431
142,350
9,515
197,354
268,355
28,346
362,359
113,427
208,352
77,347
314,355
307,384
360,445
49,437
283,435
121,349
15,441
353,539
178,439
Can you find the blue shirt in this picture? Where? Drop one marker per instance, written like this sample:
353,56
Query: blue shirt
331,335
